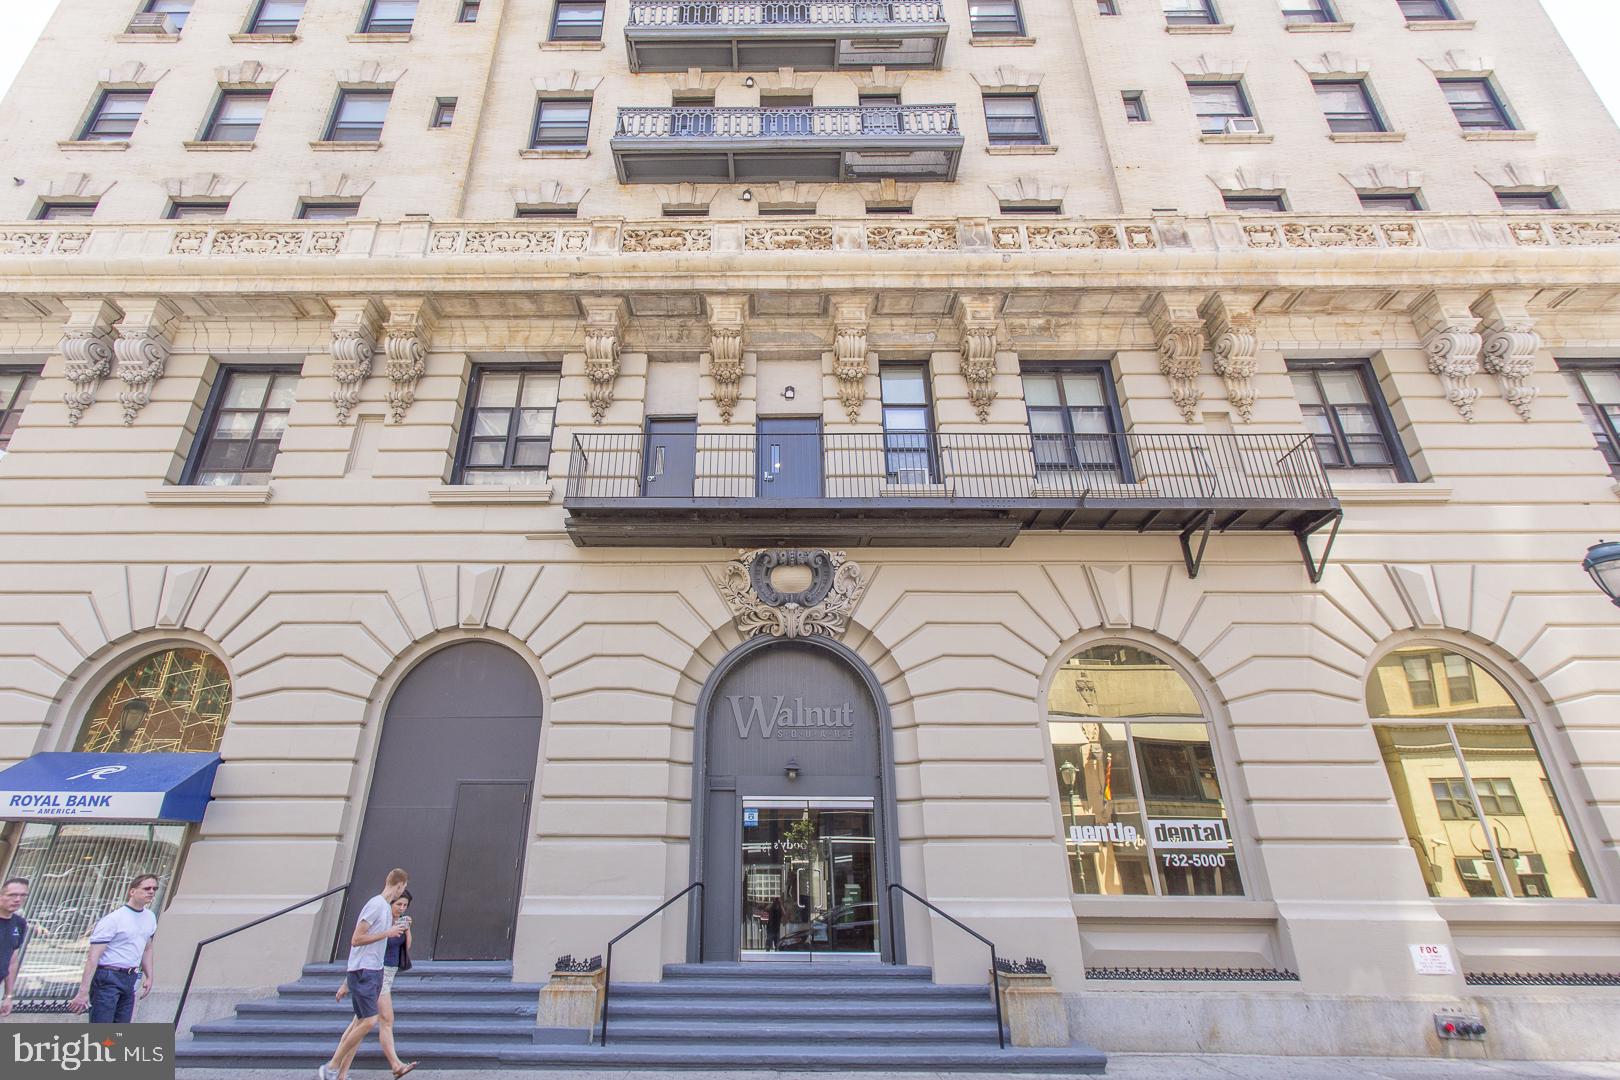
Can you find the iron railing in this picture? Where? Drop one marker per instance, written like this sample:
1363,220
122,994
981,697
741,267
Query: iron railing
1193,470
805,122
768,13
995,957
607,969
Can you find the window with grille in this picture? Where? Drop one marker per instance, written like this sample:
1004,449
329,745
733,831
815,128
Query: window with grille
1349,425
995,18
276,17
1190,12
237,116
1010,119
16,387
578,20
243,427
389,17
1595,388
1216,103
1476,105
115,115
909,453
359,116
562,123
1074,423
1348,106
508,426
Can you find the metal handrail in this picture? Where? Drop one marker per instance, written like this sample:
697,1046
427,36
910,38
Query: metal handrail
797,121
196,955
607,969
995,957
751,13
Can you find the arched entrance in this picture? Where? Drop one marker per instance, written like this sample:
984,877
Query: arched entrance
795,795
449,799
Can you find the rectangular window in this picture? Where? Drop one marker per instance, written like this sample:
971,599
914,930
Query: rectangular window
1426,10
242,431
1135,106
237,116
909,457
1013,118
64,209
1596,391
359,116
327,210
1348,106
1399,200
16,387
1459,679
1476,105
562,122
1107,7
468,12
177,11
389,17
115,115
1216,104
1190,12
1349,425
444,113
995,18
1496,796
1451,800
192,209
1529,200
1419,682
1074,426
1296,12
508,426
1256,204
546,211
578,20
276,17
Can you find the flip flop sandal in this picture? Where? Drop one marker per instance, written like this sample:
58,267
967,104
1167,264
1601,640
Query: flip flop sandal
402,1070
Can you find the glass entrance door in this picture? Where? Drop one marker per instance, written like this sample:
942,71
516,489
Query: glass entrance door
809,880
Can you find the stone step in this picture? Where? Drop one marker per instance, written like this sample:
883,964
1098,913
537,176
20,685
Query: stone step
698,1008
775,1030
267,1008
480,969
781,987
459,1031
829,969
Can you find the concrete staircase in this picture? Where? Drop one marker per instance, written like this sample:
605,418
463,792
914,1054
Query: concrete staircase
701,1016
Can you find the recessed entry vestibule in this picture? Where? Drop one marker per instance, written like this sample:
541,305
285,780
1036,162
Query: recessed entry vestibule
796,801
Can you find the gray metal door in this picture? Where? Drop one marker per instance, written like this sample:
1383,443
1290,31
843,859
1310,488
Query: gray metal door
486,864
670,464
789,457
468,713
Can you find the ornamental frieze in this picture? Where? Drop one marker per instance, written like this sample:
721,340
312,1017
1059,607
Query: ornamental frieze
761,607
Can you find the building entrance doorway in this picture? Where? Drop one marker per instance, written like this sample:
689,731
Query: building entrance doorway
809,880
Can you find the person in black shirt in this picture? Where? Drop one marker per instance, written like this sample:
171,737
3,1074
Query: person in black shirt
13,932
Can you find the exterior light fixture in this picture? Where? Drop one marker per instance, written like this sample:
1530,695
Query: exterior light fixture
747,195
792,769
1603,563
1069,772
749,82
789,394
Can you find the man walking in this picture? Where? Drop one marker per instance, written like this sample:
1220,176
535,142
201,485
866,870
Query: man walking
120,957
13,932
367,949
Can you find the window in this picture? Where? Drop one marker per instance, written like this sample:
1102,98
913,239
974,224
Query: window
1529,200
1073,424
1426,10
177,11
577,20
1013,118
276,17
243,428
63,209
1190,12
389,17
1480,810
1299,12
562,122
468,12
1475,104
995,18
1348,423
1397,200
1107,7
546,211
327,209
1596,391
444,113
189,209
16,387
1217,103
909,456
359,116
1135,106
1348,106
508,426
237,116
115,115
1138,788
1256,204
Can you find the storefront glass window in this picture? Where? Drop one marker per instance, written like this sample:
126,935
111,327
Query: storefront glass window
1480,811
175,700
1141,800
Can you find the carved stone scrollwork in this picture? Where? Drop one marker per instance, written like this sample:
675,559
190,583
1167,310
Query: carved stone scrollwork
1180,333
726,368
850,367
354,344
142,350
405,342
604,332
1232,337
1510,344
1452,344
823,608
976,323
87,345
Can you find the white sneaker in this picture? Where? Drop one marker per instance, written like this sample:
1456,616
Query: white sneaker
323,1073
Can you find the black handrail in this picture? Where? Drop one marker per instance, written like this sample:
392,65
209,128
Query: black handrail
995,957
607,970
197,954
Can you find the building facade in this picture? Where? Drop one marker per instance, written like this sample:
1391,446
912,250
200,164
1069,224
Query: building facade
1118,469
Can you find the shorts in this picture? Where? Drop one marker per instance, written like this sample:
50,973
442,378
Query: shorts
364,989
388,980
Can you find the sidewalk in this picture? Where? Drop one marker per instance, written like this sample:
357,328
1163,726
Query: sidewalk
1120,1067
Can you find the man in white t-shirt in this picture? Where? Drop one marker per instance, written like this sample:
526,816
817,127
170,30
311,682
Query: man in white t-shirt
367,948
120,957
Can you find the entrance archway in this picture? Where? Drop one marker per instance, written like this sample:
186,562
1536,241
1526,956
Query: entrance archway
450,797
794,839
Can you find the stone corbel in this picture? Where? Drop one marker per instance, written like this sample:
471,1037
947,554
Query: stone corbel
725,352
142,349
354,343
405,341
851,361
1510,344
604,333
1452,343
87,345
976,322
1230,323
1180,333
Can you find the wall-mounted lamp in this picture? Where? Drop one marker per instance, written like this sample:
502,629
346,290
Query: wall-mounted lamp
789,393
747,195
749,82
1603,563
1069,773
791,771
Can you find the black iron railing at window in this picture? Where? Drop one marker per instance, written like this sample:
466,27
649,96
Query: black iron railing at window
801,122
767,13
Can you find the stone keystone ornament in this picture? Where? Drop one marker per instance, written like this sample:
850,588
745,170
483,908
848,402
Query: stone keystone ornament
821,608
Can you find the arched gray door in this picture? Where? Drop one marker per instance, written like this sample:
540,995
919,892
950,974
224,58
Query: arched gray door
449,800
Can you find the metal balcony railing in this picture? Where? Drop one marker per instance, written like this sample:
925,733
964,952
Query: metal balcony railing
706,13
886,123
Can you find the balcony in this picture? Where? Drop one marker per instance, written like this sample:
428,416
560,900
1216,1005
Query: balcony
676,35
826,143
940,489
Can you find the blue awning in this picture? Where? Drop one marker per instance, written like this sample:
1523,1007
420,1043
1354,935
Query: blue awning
108,787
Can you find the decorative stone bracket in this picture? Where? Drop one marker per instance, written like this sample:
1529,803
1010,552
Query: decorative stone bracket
976,321
1452,344
1180,333
851,362
87,345
823,608
142,350
406,336
1230,323
604,333
725,352
1510,344
354,343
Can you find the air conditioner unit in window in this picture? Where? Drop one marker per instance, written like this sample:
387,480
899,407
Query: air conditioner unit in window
1242,125
151,22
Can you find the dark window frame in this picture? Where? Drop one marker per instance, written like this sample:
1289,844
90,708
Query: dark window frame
893,449
1256,204
1348,123
258,25
999,25
1381,201
1207,16
1607,440
88,133
1318,12
577,31
1117,460
1038,138
465,438
1514,201
444,114
1504,119
1448,13
370,24
1135,103
1399,463
211,128
1244,102
184,16
48,206
176,206
344,95
305,205
211,411
468,8
535,128
8,406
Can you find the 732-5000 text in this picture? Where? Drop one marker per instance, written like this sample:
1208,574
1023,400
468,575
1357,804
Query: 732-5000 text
1178,861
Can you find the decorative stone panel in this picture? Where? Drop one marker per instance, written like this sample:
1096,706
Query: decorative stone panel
371,76
1010,80
87,346
1510,345
1452,344
976,323
726,315
130,75
1180,333
1232,328
248,75
1336,65
824,608
604,333
406,338
1461,62
142,349
354,343
852,363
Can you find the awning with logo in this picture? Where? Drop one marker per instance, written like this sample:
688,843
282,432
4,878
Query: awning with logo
108,787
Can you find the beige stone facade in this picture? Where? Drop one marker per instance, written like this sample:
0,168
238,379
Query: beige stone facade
366,550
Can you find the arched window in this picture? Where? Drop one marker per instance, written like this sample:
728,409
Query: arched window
177,700
1141,798
1480,811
